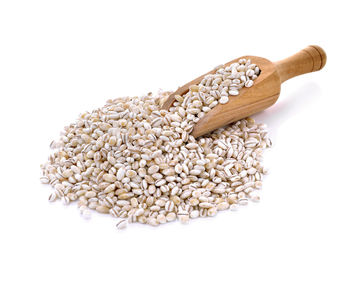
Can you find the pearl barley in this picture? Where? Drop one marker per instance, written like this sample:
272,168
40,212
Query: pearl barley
137,162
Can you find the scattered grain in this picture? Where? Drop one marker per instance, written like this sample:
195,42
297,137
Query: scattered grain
135,161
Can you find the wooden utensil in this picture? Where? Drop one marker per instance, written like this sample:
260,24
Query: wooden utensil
261,95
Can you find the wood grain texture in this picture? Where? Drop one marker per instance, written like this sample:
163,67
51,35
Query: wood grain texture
261,95
310,59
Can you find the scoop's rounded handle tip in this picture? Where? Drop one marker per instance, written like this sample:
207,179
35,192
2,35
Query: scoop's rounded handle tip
320,58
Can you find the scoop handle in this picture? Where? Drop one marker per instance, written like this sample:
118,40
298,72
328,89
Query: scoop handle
310,59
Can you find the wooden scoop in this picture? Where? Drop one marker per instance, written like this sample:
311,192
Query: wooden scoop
261,95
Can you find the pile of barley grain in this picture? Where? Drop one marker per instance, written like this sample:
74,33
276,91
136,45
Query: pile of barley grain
139,163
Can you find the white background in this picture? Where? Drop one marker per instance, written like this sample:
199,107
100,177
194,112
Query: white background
60,58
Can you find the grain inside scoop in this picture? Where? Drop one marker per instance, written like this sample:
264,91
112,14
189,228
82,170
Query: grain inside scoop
261,95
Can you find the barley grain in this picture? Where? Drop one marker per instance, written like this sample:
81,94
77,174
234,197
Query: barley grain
122,224
133,160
